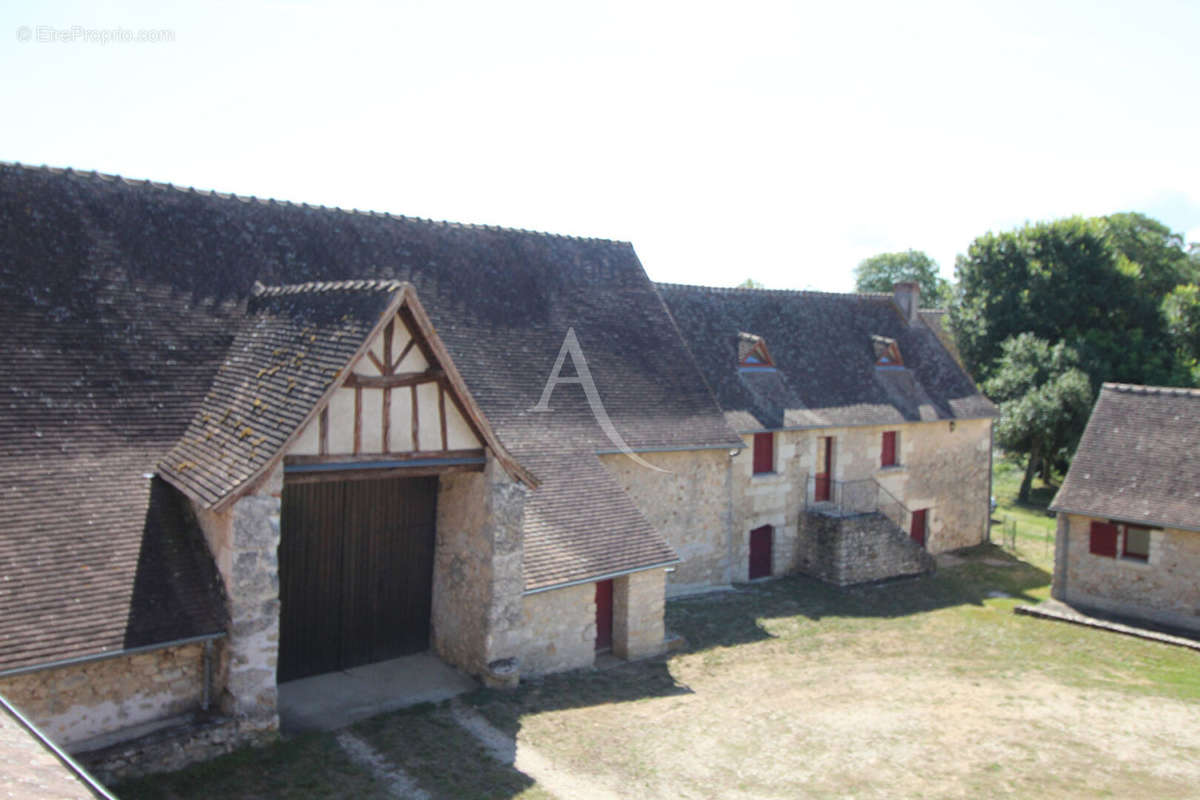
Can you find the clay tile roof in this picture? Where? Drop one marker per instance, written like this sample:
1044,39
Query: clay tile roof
580,524
1139,458
824,346
295,343
122,302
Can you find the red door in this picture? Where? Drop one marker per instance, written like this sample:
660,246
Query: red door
918,526
760,552
604,615
823,470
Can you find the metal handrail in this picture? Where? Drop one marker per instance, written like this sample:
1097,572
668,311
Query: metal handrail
847,498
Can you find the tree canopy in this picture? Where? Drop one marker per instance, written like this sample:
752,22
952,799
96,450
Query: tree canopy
1044,401
1051,309
880,273
1096,284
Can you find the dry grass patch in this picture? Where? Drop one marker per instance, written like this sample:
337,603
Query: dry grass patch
921,688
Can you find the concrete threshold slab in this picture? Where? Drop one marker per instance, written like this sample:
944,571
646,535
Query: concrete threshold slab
337,699
1061,612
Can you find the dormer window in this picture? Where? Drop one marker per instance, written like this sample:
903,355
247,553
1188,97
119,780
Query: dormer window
887,352
753,353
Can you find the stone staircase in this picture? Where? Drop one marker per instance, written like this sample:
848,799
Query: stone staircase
845,549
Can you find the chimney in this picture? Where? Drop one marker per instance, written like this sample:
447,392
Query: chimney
908,296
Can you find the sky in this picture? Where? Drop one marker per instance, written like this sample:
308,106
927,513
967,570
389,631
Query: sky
780,141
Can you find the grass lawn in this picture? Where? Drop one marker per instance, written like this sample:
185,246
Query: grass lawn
928,687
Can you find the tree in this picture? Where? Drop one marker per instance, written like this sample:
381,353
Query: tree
1044,401
1182,311
1151,252
880,273
750,283
1073,281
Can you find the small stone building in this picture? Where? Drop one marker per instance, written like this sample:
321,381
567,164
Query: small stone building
1128,539
245,441
866,447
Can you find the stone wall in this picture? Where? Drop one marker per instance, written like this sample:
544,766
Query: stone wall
1163,589
73,704
638,606
858,549
689,505
945,471
244,541
558,630
171,749
774,498
478,614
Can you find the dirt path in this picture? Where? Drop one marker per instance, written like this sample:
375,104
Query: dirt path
396,781
521,756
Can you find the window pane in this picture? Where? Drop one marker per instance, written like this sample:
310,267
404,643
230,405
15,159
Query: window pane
1137,543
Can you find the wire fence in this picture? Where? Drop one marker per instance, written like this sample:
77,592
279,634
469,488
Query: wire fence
1012,530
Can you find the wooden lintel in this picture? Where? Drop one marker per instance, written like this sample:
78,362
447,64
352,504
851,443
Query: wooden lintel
379,474
355,463
356,381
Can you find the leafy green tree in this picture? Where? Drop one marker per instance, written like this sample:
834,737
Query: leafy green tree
880,273
1069,281
1182,310
1044,401
1150,252
750,283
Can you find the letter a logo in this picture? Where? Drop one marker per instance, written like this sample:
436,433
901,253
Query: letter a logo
583,376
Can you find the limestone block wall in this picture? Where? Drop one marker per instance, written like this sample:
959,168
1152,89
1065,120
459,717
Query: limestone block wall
948,472
689,505
478,613
1164,589
558,630
638,606
858,549
774,499
942,470
244,541
72,704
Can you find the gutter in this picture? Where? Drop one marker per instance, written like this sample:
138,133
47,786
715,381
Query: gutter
677,449
598,578
829,425
1149,523
71,764
70,662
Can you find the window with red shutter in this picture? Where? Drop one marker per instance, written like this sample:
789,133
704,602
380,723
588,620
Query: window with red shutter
889,449
764,453
1103,539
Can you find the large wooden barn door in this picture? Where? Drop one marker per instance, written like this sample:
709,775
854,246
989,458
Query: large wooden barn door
356,573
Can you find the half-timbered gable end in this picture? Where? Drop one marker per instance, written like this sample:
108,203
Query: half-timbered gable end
334,377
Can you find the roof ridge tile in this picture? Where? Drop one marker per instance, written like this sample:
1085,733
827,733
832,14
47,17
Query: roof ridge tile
111,177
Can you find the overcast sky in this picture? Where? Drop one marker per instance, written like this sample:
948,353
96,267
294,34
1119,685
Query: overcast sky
782,141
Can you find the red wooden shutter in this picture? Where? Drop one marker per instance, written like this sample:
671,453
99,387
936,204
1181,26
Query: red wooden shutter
1103,539
764,453
889,449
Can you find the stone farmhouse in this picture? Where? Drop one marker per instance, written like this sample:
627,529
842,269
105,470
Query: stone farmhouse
246,441
867,447
1128,539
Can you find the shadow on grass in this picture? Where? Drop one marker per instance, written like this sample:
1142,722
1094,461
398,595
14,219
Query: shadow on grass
728,619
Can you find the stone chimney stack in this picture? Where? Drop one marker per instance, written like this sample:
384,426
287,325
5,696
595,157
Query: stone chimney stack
908,297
